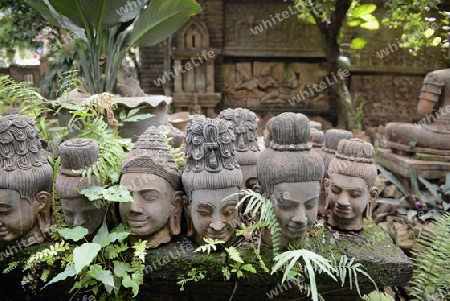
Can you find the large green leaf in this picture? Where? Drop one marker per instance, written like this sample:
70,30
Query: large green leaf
101,236
68,272
358,43
161,19
108,13
68,9
118,194
106,278
61,13
363,9
84,255
74,234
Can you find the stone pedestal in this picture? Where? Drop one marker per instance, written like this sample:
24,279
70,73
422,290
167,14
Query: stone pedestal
384,261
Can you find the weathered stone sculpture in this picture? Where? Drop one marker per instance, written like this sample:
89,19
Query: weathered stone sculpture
290,173
211,180
349,188
244,124
78,154
433,132
26,182
154,181
316,139
330,145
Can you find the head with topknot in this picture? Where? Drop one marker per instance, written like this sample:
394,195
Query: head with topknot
211,175
26,176
153,178
244,124
289,157
331,142
78,154
290,172
349,188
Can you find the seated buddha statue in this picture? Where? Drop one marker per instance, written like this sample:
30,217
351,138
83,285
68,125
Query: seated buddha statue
433,131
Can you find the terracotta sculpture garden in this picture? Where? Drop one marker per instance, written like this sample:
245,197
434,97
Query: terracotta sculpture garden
211,179
150,174
26,182
290,173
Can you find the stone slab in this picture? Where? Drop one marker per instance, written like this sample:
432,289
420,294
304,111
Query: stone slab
400,165
383,260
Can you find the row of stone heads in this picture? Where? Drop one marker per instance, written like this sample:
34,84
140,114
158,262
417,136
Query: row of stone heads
297,172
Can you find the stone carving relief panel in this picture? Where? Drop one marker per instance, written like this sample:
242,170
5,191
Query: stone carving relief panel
269,29
275,84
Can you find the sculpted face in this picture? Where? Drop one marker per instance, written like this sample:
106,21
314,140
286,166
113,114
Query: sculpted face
212,217
295,208
152,207
17,216
82,212
348,198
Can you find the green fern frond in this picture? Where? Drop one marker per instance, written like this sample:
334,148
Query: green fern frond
263,210
350,268
311,261
431,276
11,266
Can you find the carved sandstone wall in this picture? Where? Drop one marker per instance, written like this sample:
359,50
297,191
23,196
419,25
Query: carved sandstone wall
265,69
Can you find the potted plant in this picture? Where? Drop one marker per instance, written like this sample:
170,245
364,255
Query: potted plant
107,29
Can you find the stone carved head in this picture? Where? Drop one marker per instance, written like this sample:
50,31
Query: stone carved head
349,189
210,177
26,182
77,154
290,173
244,124
331,142
150,174
316,138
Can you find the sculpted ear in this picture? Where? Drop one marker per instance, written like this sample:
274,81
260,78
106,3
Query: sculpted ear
44,200
371,204
175,217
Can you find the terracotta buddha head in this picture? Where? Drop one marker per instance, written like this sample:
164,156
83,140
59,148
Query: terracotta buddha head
290,173
26,182
244,124
211,179
150,174
77,154
349,189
